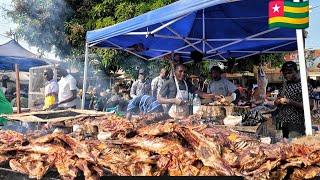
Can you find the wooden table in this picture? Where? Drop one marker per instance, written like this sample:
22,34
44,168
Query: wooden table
53,116
208,111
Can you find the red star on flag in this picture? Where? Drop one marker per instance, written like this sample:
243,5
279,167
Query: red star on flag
276,8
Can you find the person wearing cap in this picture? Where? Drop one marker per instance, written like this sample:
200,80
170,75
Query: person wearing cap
290,103
51,90
67,95
142,86
220,86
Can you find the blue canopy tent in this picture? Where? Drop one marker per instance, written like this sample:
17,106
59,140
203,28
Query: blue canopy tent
12,53
219,29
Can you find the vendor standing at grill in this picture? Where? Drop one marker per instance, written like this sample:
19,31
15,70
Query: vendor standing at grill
67,90
175,93
290,103
221,86
50,91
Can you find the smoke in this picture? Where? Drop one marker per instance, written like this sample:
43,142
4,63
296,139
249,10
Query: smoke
42,23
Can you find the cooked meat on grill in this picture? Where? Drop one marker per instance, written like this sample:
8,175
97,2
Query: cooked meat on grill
154,147
9,137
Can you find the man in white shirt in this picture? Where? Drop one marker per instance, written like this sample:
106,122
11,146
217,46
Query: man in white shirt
67,95
51,90
221,86
157,82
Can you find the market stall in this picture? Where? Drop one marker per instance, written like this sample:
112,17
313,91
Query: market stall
185,27
220,139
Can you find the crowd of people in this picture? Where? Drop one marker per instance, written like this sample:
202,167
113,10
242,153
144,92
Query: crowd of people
171,93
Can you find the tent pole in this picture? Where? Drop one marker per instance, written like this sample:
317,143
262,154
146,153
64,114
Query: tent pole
185,40
168,24
304,82
85,76
244,39
267,50
18,89
203,32
195,43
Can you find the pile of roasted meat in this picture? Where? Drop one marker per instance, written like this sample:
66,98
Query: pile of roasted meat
139,148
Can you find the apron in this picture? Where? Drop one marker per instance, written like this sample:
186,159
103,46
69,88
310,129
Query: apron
182,111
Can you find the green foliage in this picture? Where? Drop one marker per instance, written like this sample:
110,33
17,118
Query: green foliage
61,25
247,64
276,60
198,69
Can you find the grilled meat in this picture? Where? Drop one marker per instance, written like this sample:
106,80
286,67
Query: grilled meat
9,137
17,166
207,151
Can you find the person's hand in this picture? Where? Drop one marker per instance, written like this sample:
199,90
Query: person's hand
281,100
218,97
277,101
284,101
177,101
211,96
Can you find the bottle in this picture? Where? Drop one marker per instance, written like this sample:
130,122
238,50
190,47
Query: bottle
190,103
196,103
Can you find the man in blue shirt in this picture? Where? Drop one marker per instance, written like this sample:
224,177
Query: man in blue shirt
143,104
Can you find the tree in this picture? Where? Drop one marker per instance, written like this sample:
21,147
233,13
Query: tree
61,25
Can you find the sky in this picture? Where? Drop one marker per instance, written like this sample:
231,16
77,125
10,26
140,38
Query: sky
312,41
6,24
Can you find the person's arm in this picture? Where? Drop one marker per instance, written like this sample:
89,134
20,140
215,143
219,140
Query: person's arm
205,95
231,88
200,93
154,86
73,88
73,97
290,102
133,90
162,96
163,100
294,103
299,104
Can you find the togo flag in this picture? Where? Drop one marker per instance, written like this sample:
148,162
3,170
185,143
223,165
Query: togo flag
288,14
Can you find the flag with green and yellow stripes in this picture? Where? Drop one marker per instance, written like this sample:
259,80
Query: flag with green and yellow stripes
289,14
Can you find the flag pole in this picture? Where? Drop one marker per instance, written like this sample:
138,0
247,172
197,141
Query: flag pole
304,82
